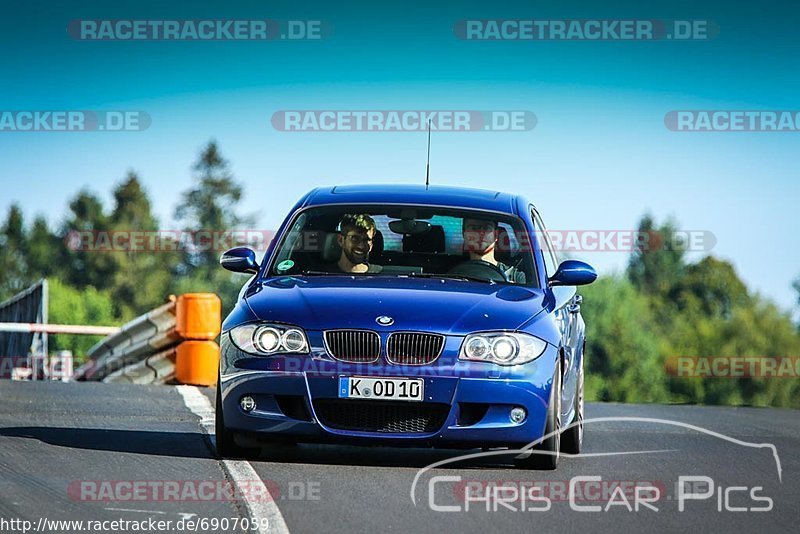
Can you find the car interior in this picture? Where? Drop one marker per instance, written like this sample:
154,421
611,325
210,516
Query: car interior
423,247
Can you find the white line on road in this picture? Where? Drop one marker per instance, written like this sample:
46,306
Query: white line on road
137,511
240,471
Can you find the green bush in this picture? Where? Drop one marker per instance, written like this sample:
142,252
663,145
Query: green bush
86,306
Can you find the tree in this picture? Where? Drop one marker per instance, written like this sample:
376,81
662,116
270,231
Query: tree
623,360
658,261
712,286
211,205
14,228
13,248
132,206
143,270
69,305
709,313
93,266
46,251
87,212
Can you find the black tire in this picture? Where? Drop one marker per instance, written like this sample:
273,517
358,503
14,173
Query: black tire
226,445
572,437
545,455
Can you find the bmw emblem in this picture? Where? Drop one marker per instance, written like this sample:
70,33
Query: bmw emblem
384,320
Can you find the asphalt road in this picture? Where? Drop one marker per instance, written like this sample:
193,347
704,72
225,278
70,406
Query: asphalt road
62,446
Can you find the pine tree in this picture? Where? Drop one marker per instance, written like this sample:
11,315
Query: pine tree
212,206
13,248
90,263
46,251
658,262
143,271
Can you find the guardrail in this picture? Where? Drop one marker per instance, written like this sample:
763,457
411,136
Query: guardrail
21,328
173,342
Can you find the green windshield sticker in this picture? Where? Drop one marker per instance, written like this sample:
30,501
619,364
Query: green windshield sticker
285,265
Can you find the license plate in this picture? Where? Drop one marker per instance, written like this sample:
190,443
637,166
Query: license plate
402,389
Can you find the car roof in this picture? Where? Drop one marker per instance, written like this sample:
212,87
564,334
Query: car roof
435,195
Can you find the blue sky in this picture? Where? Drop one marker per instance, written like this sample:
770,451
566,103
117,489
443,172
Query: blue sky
599,157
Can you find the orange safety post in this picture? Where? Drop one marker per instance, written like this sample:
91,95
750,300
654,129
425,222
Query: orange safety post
198,316
196,363
198,320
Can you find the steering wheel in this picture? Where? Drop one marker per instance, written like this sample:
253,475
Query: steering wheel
480,269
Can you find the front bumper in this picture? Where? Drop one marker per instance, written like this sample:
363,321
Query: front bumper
473,400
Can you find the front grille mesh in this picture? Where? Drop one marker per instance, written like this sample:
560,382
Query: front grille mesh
413,348
356,346
381,416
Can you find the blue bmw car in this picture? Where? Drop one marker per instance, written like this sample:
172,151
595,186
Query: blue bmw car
409,316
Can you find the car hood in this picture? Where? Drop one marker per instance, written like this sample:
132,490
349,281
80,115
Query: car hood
452,307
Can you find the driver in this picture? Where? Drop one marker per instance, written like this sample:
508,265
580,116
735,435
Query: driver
480,241
356,234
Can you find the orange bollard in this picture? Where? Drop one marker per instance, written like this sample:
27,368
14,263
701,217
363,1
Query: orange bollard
197,362
198,316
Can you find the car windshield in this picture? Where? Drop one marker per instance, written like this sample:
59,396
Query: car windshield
412,241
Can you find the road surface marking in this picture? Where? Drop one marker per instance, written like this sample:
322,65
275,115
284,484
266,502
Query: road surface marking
240,471
138,511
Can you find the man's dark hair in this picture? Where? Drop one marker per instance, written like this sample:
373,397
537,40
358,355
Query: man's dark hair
360,222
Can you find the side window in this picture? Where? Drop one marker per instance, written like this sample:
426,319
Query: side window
550,258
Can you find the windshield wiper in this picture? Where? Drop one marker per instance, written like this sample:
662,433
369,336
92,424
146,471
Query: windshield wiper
462,277
328,273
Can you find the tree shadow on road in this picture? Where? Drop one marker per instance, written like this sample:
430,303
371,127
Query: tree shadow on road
177,444
198,445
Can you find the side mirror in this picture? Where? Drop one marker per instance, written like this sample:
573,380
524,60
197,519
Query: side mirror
239,260
573,273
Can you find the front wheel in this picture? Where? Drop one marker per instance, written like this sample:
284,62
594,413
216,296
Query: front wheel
544,456
226,445
572,440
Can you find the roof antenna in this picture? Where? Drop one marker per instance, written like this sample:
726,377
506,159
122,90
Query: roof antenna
428,162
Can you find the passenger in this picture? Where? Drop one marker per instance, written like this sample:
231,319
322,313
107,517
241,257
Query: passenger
356,234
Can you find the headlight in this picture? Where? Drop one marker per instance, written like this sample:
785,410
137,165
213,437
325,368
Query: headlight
476,348
269,339
294,340
502,348
266,339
